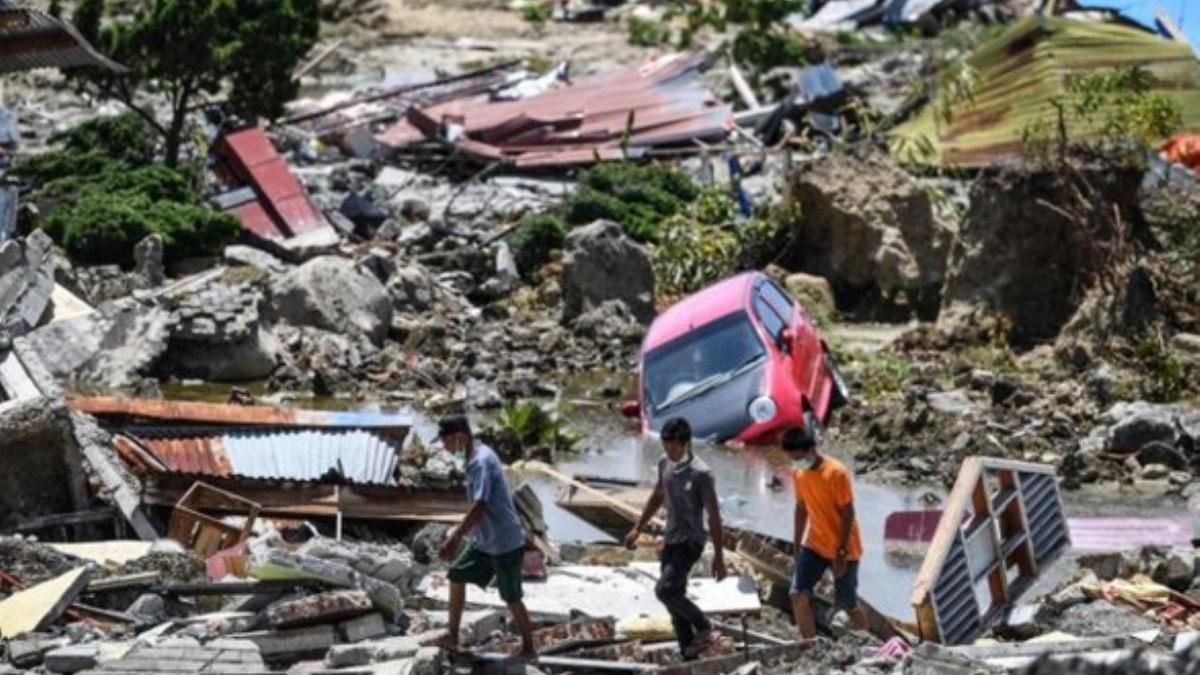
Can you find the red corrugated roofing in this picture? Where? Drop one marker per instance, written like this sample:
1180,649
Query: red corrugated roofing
659,103
284,209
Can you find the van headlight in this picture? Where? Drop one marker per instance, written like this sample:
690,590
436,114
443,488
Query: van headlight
763,409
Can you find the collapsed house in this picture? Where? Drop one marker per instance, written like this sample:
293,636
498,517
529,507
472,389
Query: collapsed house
609,116
290,463
31,38
1023,73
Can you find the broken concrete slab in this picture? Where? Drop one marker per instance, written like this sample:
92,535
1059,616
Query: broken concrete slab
279,564
320,608
72,658
35,607
26,284
293,644
182,656
29,651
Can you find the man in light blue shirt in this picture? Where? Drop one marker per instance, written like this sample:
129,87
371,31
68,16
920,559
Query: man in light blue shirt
498,542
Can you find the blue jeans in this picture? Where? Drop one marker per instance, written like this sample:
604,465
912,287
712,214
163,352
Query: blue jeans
808,571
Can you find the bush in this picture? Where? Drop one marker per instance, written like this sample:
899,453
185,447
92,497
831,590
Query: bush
99,227
534,239
638,197
647,33
124,138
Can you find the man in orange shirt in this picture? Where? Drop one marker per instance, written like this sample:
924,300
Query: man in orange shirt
826,534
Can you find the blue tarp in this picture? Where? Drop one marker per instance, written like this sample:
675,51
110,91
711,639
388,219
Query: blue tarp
1185,13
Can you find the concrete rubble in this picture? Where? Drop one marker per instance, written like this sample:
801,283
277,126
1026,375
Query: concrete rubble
445,247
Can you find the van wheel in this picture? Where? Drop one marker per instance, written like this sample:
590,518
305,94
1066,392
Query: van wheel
840,395
811,422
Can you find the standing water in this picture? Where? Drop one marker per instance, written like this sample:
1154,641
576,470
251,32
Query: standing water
747,501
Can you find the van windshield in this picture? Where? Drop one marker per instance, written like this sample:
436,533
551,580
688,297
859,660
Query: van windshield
700,361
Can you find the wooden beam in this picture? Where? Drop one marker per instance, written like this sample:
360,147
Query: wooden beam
60,519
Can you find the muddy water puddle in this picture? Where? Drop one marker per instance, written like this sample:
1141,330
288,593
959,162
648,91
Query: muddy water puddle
747,499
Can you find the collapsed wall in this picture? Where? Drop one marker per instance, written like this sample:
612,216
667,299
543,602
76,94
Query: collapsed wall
42,475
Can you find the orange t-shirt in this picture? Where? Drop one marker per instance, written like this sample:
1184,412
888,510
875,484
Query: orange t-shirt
825,491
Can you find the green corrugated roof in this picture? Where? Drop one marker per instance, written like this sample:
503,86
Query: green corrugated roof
1023,69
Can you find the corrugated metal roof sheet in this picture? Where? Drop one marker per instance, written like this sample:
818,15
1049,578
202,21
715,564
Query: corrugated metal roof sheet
358,455
30,38
283,209
198,412
659,103
1022,74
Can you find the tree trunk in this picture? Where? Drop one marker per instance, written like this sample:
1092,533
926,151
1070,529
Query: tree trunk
173,137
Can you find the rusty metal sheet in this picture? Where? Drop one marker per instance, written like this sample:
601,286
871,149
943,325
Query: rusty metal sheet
248,158
608,116
197,412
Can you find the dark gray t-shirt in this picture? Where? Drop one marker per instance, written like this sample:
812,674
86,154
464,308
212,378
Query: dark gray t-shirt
687,487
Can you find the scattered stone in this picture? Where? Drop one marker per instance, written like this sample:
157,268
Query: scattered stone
812,292
1155,472
241,255
955,403
367,627
1107,566
1177,571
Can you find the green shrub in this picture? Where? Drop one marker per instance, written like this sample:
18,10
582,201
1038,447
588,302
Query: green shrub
533,240
639,197
647,33
155,181
125,138
537,13
99,227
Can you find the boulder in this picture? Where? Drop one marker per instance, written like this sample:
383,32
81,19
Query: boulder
1033,241
868,228
600,264
334,294
1138,430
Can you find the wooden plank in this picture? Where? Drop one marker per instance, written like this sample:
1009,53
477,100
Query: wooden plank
35,607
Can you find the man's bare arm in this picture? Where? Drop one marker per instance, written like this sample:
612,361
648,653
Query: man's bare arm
847,527
717,532
651,508
800,521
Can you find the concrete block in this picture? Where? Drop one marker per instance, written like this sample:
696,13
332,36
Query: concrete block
368,627
1023,622
348,656
292,644
28,652
72,658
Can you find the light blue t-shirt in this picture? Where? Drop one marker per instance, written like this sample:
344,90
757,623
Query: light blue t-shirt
499,530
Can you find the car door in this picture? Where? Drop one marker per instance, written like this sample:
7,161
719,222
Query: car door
805,356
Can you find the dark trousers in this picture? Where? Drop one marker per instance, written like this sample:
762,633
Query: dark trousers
677,561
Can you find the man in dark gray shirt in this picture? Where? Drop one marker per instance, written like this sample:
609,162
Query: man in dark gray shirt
685,485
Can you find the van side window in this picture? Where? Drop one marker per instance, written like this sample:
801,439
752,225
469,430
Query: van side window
771,320
778,300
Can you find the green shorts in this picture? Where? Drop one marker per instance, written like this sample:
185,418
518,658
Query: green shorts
476,567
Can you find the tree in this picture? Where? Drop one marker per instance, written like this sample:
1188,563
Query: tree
188,50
